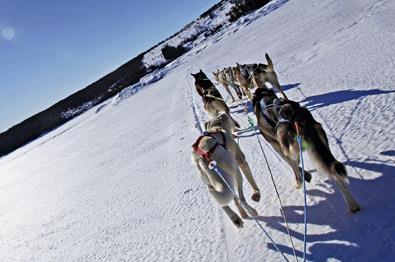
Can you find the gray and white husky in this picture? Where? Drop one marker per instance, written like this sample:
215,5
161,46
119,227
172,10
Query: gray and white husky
220,77
226,78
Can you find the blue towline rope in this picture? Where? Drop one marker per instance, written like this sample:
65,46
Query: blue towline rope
213,166
252,124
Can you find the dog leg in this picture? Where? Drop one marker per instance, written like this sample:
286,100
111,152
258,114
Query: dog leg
248,92
242,212
233,216
238,92
229,92
245,168
239,182
294,165
298,176
231,168
351,202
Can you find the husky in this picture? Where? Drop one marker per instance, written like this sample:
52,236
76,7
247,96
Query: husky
220,77
217,144
278,121
212,100
243,79
232,82
257,75
267,119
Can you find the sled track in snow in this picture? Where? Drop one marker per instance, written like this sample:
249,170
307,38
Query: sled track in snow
195,112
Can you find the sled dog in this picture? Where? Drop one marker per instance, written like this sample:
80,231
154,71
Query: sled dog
220,77
257,75
280,120
212,99
232,82
217,144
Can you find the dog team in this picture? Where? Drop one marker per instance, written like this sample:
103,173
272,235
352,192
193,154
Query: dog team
279,120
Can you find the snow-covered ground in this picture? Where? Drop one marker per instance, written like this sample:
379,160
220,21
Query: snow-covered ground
116,184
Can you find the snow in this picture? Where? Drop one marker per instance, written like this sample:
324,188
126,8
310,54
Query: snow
117,184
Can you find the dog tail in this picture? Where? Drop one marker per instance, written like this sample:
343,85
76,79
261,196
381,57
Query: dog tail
269,62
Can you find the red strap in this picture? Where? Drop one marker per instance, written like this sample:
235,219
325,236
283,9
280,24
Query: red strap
203,153
206,154
200,151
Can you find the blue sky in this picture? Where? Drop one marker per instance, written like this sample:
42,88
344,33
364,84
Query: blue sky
50,49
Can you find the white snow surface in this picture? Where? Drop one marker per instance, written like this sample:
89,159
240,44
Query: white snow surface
116,184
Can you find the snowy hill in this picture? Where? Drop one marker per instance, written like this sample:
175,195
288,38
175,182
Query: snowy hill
116,183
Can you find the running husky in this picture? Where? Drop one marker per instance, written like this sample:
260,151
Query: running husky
217,144
220,77
278,120
256,75
212,99
232,82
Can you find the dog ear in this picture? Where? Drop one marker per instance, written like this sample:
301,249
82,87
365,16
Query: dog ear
237,64
201,71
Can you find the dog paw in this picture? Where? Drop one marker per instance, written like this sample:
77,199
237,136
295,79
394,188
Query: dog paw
355,208
307,176
238,222
256,196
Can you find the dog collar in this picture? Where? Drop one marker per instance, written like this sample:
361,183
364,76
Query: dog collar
284,120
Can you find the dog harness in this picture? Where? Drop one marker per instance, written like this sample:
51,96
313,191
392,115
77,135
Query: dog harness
265,113
206,154
284,120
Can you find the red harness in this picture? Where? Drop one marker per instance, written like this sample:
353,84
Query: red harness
206,154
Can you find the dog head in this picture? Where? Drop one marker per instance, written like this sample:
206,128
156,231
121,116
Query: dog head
236,70
199,75
262,92
215,74
288,112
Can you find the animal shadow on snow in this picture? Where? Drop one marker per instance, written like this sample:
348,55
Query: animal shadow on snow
368,235
388,153
290,86
337,97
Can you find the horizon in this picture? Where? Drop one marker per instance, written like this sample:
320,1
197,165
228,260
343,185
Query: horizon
45,46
